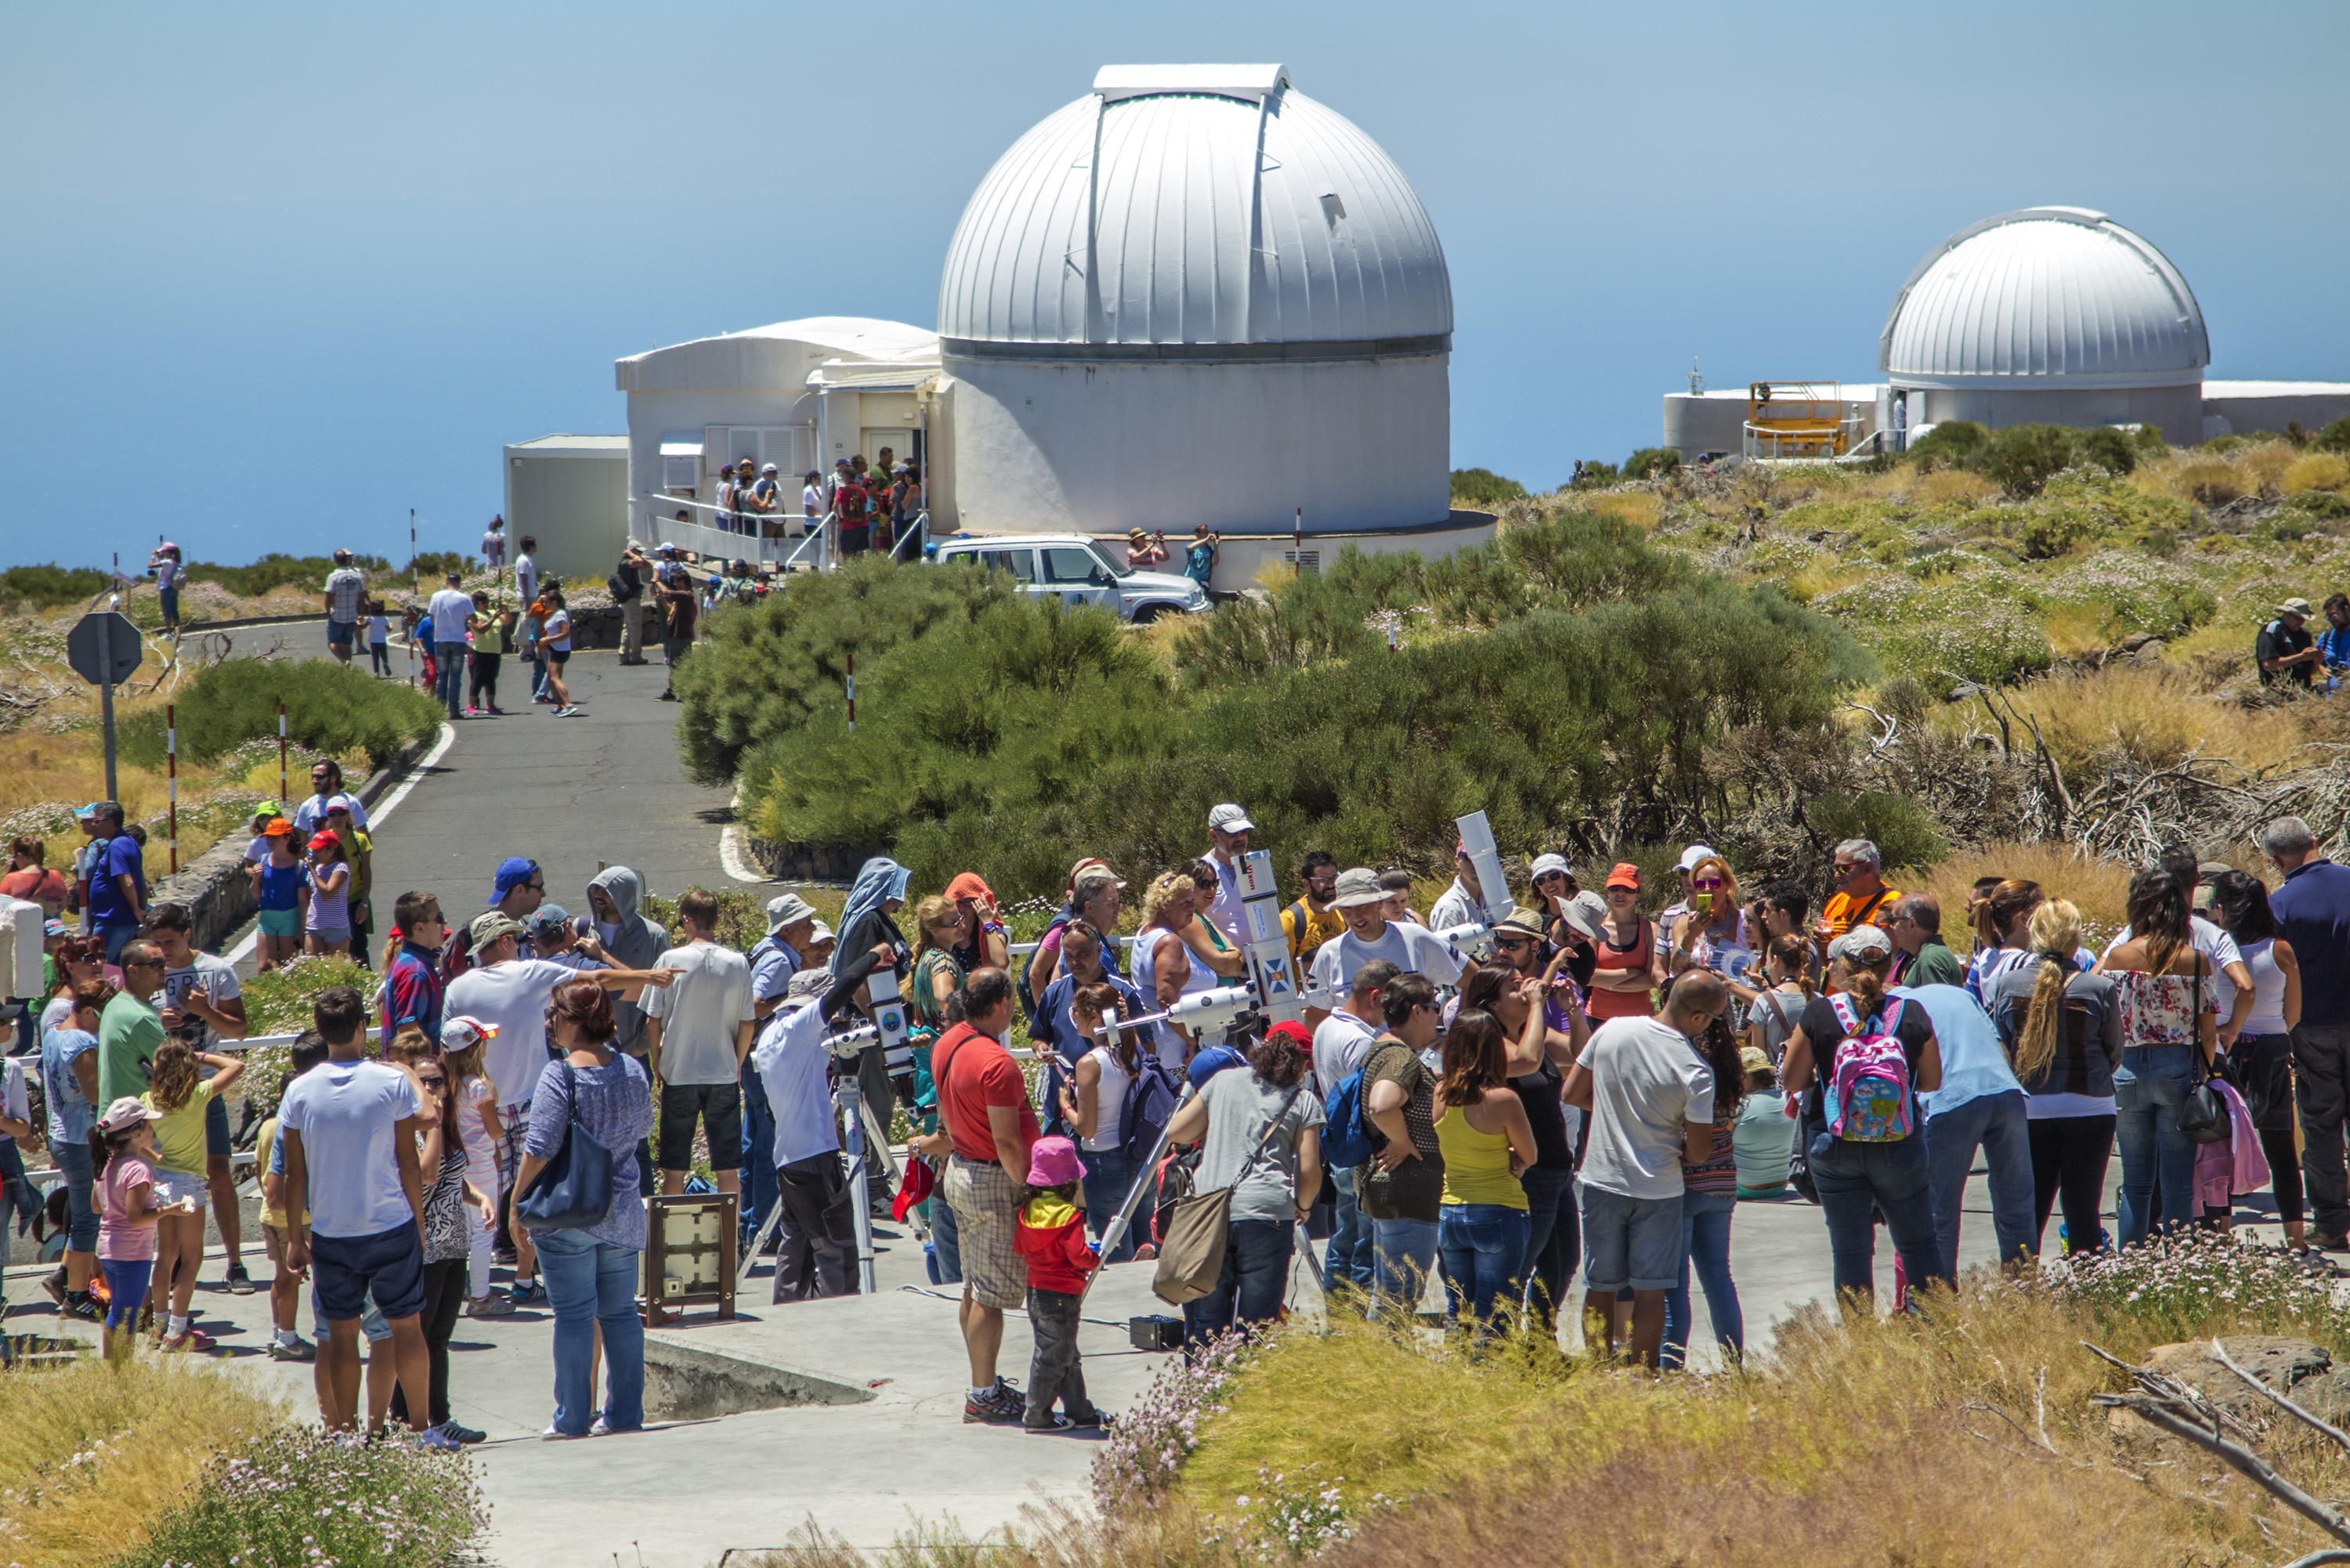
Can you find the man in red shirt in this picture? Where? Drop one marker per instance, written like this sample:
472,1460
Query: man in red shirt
988,1128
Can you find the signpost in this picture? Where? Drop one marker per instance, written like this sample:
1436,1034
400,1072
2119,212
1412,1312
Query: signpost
104,649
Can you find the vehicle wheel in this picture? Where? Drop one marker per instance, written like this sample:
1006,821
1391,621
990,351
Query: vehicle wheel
1145,614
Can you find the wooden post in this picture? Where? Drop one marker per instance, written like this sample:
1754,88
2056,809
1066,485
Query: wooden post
171,774
284,791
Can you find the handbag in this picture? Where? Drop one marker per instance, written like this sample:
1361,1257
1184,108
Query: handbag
1195,1233
574,1191
2203,1115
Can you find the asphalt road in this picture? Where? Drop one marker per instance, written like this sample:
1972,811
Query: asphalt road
575,794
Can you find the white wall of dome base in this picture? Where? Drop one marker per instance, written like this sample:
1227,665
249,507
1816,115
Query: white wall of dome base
2240,408
1363,445
2178,412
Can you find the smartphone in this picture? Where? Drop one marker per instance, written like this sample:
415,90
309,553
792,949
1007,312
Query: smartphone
1702,903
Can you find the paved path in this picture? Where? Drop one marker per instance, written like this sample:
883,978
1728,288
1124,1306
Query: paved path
575,794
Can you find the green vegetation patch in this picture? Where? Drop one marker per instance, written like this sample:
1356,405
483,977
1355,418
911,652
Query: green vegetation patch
329,706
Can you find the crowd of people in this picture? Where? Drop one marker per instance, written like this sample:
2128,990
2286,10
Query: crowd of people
1492,1105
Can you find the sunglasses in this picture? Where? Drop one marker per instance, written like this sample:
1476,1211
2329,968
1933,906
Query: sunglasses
1511,944
433,1083
1707,884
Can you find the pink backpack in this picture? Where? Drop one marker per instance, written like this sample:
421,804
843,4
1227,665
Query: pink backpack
1869,1088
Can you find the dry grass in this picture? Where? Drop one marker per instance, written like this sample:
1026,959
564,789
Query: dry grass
2156,716
1946,484
94,1454
2101,887
2265,463
2316,470
1638,507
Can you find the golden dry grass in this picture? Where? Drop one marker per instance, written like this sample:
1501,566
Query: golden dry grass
2264,464
2154,715
1944,484
2101,887
92,1455
2315,470
1638,507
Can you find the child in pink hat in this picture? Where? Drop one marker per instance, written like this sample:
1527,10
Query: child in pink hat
1052,1237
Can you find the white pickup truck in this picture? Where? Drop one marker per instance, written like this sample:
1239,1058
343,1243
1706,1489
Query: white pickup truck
1077,570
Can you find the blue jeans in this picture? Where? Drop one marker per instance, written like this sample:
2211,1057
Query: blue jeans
73,1158
538,676
1705,1245
758,1154
1554,1240
1250,1290
117,937
20,1193
1109,1180
1996,1123
590,1283
1483,1246
1855,1180
2149,1086
1348,1259
1403,1251
450,674
946,1239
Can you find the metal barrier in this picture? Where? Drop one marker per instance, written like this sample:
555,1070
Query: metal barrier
712,541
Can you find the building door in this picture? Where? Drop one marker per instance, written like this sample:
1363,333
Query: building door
900,443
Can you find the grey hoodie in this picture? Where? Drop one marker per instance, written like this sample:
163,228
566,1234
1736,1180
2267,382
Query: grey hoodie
638,944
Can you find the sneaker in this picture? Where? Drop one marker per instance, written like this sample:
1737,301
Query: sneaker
525,1291
1051,1423
669,696
82,1306
194,1340
549,701
56,1285
2320,1241
552,1436
497,711
471,712
466,1436
491,1306
300,1350
503,1256
1001,1408
433,1440
240,1283
1093,1421
599,1428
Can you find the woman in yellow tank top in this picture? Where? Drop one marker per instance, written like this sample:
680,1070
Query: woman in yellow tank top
1487,1140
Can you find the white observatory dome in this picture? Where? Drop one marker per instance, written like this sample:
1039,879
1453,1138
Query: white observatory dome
2049,297
1196,205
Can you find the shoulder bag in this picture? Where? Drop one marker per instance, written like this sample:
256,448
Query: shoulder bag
2203,1115
574,1191
1199,1228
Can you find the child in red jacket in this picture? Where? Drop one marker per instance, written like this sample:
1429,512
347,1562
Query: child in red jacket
1052,1237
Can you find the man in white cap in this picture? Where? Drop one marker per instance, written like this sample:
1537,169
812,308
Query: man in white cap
1228,840
1369,934
2284,649
791,920
1670,920
1464,903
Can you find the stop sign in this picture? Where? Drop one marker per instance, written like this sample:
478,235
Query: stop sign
103,648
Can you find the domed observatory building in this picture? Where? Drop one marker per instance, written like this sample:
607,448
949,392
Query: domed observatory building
2051,314
1196,296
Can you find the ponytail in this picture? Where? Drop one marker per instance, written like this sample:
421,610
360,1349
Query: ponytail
2056,934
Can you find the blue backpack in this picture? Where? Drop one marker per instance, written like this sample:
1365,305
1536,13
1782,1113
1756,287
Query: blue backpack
1150,1100
1346,1134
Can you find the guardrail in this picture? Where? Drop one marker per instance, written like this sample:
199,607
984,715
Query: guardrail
816,549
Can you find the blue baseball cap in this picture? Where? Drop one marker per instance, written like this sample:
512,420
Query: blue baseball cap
513,872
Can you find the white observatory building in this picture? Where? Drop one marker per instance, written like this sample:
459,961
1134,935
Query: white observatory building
2051,316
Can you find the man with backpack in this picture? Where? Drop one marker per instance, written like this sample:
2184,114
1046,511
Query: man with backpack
1650,1098
1401,1185
1341,1043
627,584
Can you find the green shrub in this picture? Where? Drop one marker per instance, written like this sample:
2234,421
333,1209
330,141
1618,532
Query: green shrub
2109,448
277,570
1897,824
1596,473
758,675
1952,443
1663,460
299,1497
1483,489
2334,436
435,564
2020,458
329,708
48,586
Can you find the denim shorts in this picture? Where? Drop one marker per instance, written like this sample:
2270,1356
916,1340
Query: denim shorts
371,1321
1633,1241
350,1270
339,633
171,1185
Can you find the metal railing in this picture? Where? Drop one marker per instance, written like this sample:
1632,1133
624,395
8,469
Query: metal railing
818,549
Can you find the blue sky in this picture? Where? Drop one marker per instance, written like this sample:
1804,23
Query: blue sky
270,276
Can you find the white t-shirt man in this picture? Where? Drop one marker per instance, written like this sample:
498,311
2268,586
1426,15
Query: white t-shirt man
525,577
450,607
311,814
345,587
2202,935
348,1113
1456,907
1410,948
1340,1042
1646,1082
494,547
701,1012
1225,912
513,996
790,1057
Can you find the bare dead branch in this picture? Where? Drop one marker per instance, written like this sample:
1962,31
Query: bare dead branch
2327,1428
